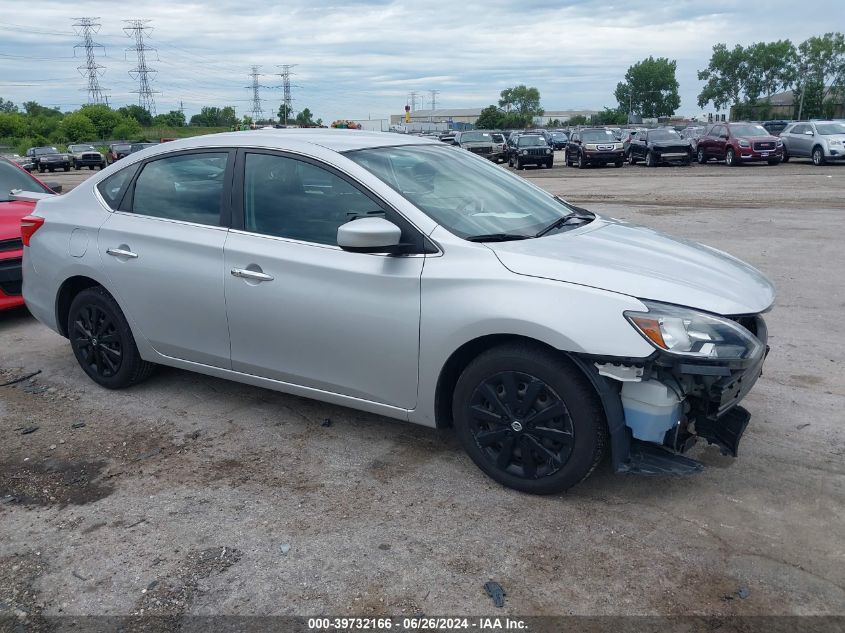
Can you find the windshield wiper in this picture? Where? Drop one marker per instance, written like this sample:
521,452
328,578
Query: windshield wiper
579,214
497,237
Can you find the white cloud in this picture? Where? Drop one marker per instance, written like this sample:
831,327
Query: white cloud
356,59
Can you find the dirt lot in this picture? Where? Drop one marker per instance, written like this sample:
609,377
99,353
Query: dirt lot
191,495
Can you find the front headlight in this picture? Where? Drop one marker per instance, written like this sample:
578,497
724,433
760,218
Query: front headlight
524,152
590,146
690,333
618,146
744,143
835,142
779,142
548,151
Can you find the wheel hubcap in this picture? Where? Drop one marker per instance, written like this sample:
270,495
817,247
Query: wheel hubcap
97,342
521,425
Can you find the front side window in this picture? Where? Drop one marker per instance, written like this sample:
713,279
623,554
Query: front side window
468,196
286,197
186,187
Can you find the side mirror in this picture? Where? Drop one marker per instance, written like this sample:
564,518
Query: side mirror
54,186
809,133
724,136
369,235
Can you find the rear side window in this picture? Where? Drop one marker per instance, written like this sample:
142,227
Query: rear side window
113,187
187,187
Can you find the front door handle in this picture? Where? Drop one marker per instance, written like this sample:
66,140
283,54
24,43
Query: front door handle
122,252
252,275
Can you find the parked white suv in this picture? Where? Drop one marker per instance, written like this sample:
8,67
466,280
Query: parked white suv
395,275
821,141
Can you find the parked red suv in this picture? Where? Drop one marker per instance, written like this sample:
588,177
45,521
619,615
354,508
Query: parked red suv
738,143
14,207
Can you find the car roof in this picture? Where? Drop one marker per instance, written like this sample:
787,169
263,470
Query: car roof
338,140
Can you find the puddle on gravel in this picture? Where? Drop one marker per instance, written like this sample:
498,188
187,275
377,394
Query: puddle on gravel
51,482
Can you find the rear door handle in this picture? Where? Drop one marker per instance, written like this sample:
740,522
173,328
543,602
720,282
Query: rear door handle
120,252
253,275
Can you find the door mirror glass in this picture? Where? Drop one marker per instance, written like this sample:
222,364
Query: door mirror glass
809,132
369,235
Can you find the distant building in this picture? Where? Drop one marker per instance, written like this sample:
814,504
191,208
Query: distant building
464,117
785,105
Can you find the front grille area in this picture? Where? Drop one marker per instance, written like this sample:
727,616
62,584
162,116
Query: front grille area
481,149
764,145
90,157
537,151
14,244
674,149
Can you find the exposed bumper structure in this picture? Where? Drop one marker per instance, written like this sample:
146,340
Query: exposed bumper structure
659,408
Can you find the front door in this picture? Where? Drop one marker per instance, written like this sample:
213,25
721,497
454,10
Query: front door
164,256
301,310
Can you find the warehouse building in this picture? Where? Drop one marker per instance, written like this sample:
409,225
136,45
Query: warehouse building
464,117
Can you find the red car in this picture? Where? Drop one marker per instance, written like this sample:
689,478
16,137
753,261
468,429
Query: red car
738,143
12,210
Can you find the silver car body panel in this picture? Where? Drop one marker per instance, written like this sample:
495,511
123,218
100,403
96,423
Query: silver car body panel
367,331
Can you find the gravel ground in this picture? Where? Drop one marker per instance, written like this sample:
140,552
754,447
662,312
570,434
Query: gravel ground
191,495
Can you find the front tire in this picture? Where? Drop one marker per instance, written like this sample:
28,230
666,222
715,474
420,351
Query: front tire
730,158
650,160
102,341
701,157
529,419
631,159
581,164
818,156
785,158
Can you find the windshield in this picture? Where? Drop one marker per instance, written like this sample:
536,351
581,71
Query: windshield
598,136
121,148
475,137
45,150
11,177
467,195
749,130
559,135
663,135
81,148
498,138
830,128
530,141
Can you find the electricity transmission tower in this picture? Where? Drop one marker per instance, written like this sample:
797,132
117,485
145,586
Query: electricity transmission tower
434,94
288,99
412,100
137,29
86,28
257,110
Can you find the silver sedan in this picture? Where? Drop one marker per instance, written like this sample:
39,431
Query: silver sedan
403,277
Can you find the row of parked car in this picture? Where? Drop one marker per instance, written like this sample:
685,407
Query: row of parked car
49,158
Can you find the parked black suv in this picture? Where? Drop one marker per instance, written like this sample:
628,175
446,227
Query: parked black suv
49,158
529,149
594,146
559,140
663,145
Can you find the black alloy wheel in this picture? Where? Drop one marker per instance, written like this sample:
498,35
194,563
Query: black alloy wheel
102,340
701,157
96,342
650,160
730,158
521,425
818,156
529,418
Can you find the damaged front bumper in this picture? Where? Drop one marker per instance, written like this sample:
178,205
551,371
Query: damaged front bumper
659,407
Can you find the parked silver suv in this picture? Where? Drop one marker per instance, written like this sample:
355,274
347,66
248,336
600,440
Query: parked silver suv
398,276
822,141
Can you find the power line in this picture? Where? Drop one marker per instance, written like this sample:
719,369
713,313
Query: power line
86,28
434,94
257,110
137,29
288,99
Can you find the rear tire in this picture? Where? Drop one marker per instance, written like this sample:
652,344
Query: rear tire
529,419
102,341
631,159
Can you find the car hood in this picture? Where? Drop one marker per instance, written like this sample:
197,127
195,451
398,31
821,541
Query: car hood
834,137
634,260
758,139
10,217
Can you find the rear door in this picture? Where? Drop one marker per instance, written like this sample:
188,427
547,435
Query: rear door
162,250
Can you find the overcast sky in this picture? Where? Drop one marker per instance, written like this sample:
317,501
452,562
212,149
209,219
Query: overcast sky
360,59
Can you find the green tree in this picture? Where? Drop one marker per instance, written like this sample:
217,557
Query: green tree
127,129
33,108
7,107
491,118
578,119
726,76
304,118
77,127
522,100
141,115
174,118
103,117
821,75
284,114
650,88
770,68
12,124
210,116
610,116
